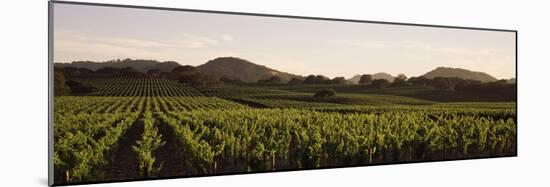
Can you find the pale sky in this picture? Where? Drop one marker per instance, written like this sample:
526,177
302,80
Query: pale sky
295,46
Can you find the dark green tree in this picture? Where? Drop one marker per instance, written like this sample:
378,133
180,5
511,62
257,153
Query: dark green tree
400,80
310,79
272,80
339,80
380,83
154,73
295,81
325,93
60,88
80,87
419,81
365,79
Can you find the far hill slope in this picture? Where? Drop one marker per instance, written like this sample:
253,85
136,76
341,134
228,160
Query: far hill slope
460,73
236,68
138,64
383,75
165,66
355,79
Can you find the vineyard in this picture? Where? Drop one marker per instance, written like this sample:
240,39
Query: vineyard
167,129
141,87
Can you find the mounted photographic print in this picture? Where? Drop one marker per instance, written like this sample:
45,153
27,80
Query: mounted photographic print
141,93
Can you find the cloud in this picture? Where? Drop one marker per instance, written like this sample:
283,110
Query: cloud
227,38
411,45
70,46
371,44
193,41
182,40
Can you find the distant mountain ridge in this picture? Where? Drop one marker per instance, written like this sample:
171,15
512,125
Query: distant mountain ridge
383,75
138,64
241,69
244,70
229,67
459,73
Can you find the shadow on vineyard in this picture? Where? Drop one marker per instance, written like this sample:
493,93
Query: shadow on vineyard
248,103
170,154
124,164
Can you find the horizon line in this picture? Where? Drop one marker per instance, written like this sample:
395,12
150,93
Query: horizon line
134,59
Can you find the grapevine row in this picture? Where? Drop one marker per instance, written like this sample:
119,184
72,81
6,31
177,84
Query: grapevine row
275,139
142,87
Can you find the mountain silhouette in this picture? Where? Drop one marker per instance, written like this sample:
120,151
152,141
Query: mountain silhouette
138,64
241,69
460,73
381,75
244,70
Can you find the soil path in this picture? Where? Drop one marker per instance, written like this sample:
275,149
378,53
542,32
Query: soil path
170,155
124,164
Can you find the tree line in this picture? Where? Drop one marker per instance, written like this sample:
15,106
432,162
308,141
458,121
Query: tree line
65,80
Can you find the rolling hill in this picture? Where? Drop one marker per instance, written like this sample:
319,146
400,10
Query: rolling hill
244,70
381,75
230,67
138,64
460,73
236,68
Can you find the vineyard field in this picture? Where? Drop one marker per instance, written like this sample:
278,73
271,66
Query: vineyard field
141,87
154,128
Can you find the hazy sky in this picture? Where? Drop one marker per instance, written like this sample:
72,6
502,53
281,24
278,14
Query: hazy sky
291,45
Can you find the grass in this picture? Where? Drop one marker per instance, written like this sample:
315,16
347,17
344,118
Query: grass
418,92
351,99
